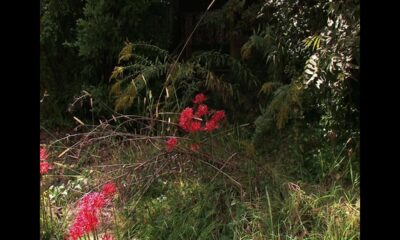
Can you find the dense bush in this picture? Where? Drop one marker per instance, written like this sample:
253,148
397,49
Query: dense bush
80,41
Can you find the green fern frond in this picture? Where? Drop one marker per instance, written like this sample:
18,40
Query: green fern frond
181,72
216,84
246,51
314,41
257,43
118,72
151,49
132,89
126,52
215,61
147,64
269,87
286,99
116,88
155,71
127,97
121,103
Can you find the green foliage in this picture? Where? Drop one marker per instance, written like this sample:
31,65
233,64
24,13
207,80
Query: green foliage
294,174
59,65
286,104
323,64
332,214
236,16
273,201
178,213
269,87
80,41
146,71
54,201
145,65
105,25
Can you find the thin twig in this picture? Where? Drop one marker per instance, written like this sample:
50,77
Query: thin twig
223,166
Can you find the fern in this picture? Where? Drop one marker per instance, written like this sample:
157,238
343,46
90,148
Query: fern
212,60
312,41
150,50
116,88
286,100
269,87
217,72
126,52
258,44
286,104
117,73
218,85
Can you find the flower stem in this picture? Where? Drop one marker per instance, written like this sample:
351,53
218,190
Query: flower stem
115,222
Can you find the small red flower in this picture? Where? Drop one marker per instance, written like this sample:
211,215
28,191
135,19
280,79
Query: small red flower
109,189
171,143
195,126
210,126
199,98
43,154
218,116
185,119
202,110
194,147
44,167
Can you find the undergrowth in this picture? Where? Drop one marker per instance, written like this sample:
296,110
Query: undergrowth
225,190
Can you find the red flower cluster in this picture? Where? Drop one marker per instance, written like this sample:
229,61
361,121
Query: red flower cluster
87,220
89,208
190,122
171,143
44,165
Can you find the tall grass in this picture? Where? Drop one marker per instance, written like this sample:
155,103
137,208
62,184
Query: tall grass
224,191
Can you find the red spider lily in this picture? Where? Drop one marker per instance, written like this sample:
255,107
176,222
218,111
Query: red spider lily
94,200
109,189
210,126
199,98
192,123
87,218
218,116
187,122
202,110
171,143
43,154
195,126
185,119
85,222
44,167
